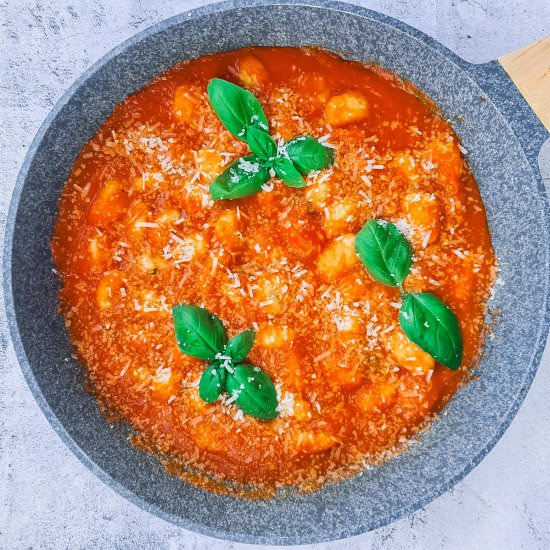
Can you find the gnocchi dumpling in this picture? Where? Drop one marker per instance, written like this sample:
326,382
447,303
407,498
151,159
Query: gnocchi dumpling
346,108
377,397
275,336
188,248
301,409
445,155
347,376
209,163
252,72
167,217
162,382
110,290
313,441
424,215
340,217
185,104
270,293
226,226
136,220
406,167
409,355
318,194
150,264
110,204
148,181
353,287
337,258
99,252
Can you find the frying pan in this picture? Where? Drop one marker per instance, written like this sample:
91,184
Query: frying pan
502,135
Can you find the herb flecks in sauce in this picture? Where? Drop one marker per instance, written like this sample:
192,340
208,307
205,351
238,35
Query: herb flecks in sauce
242,114
201,334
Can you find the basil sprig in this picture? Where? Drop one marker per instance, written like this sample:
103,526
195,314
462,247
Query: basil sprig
384,251
254,391
236,107
287,171
212,382
201,334
307,154
239,346
424,318
262,144
241,113
244,176
431,325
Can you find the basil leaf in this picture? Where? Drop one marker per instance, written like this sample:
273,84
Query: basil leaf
308,154
288,173
254,391
384,251
244,176
212,382
261,143
199,333
236,107
239,346
430,324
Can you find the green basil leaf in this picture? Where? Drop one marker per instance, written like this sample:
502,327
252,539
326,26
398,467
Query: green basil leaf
239,346
212,382
430,324
253,391
244,176
261,143
384,251
199,333
288,173
236,107
308,154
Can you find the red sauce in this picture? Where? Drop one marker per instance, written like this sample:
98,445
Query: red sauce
137,233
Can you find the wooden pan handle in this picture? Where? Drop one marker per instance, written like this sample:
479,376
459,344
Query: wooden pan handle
529,69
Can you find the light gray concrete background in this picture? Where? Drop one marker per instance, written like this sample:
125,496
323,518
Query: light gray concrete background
47,498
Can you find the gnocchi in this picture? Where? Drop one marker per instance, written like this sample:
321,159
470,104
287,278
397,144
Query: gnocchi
445,155
338,258
340,217
424,215
271,293
185,104
226,226
346,108
377,397
110,290
110,204
346,376
99,252
275,337
252,72
313,441
409,355
209,163
318,194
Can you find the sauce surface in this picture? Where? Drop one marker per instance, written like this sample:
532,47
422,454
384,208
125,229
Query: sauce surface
138,233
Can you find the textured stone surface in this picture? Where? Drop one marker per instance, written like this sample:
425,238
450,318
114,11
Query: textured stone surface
503,503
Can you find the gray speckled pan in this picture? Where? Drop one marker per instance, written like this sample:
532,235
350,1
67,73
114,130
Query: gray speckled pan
503,138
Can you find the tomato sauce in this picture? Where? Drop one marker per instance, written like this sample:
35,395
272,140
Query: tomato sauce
137,233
